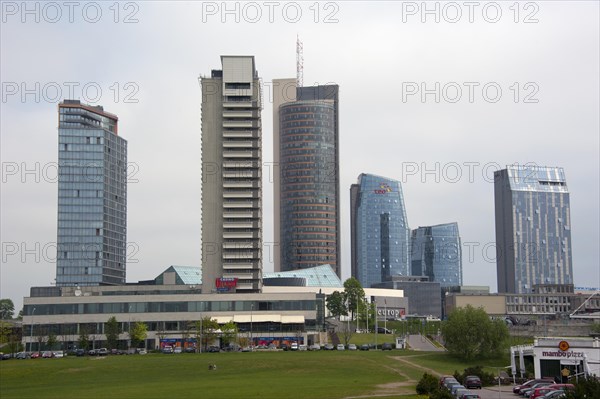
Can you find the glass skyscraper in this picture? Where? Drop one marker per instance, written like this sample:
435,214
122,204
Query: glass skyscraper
307,221
380,234
533,228
436,253
92,197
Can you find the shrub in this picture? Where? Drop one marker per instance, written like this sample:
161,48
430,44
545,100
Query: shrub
427,384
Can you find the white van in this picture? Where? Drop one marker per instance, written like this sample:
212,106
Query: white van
294,346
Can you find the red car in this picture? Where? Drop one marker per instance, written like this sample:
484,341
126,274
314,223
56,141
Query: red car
544,390
530,383
35,355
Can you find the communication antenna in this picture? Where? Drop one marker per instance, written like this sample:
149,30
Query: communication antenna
299,62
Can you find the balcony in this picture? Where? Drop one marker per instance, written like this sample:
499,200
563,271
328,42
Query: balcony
240,174
240,204
248,124
240,154
240,235
240,225
241,104
241,245
240,134
241,144
240,194
241,215
248,114
241,164
240,184
240,255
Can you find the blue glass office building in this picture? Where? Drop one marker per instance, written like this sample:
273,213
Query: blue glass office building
436,253
533,228
92,197
380,235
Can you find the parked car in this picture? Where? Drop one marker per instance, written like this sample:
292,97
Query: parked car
541,391
352,347
302,347
141,351
444,378
470,395
59,354
47,355
102,352
167,349
528,384
35,355
80,352
294,346
386,346
460,392
558,394
271,346
456,388
315,347
177,349
328,347
190,349
382,330
93,352
214,349
451,384
364,347
22,355
472,381
340,347
528,391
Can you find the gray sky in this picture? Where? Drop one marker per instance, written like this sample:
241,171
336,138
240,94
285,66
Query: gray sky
515,84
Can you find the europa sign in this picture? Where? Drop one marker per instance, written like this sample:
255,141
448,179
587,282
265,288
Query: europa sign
391,313
226,283
384,188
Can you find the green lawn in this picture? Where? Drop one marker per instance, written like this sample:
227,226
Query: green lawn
323,374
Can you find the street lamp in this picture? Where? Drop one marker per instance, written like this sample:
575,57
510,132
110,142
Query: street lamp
251,335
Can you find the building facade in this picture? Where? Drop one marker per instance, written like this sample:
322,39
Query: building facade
423,296
533,228
92,197
306,189
379,230
436,253
231,176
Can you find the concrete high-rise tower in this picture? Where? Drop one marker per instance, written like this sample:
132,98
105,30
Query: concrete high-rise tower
533,228
306,176
92,197
231,177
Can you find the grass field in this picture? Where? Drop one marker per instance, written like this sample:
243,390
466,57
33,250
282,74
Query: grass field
323,374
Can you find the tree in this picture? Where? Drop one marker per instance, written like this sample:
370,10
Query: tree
336,305
588,387
206,331
229,333
470,333
51,342
347,332
84,338
427,384
112,331
354,295
7,309
138,333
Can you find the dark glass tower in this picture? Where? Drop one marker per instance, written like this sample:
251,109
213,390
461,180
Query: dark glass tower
307,188
436,253
533,228
92,197
380,232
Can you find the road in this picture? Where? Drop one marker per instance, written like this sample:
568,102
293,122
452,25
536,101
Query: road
505,392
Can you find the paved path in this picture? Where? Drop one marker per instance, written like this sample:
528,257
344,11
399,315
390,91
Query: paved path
418,342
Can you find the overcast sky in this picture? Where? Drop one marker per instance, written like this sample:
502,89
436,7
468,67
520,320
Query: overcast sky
515,84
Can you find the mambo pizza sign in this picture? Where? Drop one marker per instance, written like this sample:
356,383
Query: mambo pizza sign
226,283
390,312
561,354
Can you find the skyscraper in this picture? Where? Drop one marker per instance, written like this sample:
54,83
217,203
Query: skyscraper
306,177
92,197
231,176
380,236
436,253
533,228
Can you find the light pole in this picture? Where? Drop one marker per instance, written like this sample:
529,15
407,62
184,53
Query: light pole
376,324
31,332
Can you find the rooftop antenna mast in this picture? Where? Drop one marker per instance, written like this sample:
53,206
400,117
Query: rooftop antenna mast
299,62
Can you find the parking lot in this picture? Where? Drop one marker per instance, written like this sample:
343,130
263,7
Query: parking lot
505,392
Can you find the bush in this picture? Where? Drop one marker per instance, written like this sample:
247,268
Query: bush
440,394
427,384
486,378
588,388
